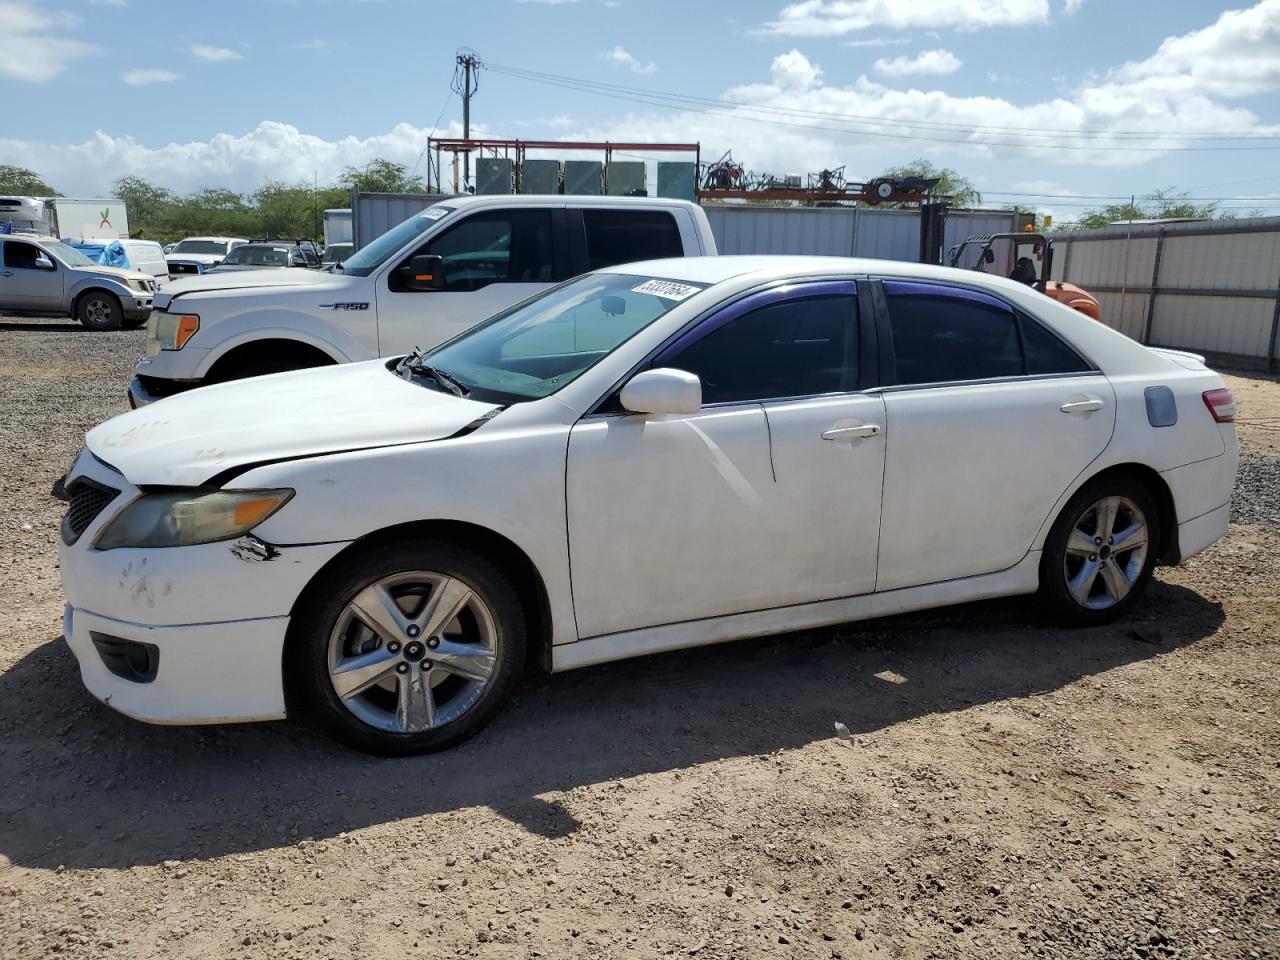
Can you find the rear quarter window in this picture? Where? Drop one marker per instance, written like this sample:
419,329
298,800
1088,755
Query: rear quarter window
625,236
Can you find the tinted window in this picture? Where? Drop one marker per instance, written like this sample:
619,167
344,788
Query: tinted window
1046,353
797,348
21,255
625,236
510,246
941,335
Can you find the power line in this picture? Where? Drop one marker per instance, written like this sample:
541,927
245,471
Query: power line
687,103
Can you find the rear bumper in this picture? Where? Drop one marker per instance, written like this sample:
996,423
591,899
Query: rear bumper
206,673
1202,531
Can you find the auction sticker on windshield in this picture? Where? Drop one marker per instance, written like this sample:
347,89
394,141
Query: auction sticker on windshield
667,289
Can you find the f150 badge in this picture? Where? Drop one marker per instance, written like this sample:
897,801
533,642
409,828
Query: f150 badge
344,306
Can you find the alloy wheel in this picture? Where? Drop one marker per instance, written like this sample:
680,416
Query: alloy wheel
98,311
413,651
1106,552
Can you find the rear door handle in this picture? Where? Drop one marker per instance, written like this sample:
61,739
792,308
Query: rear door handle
1082,406
851,433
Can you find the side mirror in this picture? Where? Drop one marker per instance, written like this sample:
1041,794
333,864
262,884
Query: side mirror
988,255
662,391
423,272
43,263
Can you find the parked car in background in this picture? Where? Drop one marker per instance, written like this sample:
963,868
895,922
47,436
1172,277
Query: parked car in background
168,247
144,255
649,457
422,282
266,254
336,253
44,276
197,254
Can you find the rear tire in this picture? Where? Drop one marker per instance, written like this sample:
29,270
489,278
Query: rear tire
378,658
99,311
1101,552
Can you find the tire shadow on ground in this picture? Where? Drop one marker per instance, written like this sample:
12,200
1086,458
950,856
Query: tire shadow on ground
83,786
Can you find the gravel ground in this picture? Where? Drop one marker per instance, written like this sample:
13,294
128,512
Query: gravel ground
1006,789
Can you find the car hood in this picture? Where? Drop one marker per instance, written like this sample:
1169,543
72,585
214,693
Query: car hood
188,439
116,273
251,279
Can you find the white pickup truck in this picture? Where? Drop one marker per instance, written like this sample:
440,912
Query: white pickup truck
433,276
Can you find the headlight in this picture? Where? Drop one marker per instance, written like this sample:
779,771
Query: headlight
172,330
187,517
135,284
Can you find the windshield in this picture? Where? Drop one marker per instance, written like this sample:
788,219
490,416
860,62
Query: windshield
250,255
367,259
543,344
70,255
201,246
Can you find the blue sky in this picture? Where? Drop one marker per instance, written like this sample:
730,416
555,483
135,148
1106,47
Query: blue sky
241,92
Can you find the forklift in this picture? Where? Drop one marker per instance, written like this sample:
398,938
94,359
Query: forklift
1028,248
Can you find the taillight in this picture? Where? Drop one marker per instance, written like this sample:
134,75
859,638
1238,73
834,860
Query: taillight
1221,404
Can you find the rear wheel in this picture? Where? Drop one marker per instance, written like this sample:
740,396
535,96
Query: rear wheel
1101,552
98,310
409,649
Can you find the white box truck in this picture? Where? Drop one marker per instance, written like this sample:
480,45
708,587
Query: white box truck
67,218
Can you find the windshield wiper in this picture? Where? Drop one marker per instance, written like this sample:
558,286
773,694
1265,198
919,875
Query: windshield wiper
450,383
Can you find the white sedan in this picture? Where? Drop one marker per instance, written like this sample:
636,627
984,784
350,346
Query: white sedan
654,456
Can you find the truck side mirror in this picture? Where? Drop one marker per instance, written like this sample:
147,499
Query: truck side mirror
423,272
43,263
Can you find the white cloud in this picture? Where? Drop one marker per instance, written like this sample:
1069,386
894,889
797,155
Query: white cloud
209,54
1071,6
793,71
929,62
622,58
34,50
878,42
1237,56
270,151
146,77
827,18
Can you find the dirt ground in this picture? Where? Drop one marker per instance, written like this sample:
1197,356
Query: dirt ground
1007,788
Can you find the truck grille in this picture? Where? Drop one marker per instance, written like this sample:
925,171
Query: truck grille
87,499
183,268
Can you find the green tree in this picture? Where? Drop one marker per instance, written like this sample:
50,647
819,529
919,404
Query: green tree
149,206
382,176
959,190
1163,204
21,182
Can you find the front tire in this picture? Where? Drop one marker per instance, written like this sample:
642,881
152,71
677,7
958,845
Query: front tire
407,649
1101,552
99,311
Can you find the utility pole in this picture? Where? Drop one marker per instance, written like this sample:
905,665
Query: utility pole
470,82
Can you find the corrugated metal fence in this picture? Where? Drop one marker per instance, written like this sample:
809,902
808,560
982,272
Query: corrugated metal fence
373,214
1212,287
840,231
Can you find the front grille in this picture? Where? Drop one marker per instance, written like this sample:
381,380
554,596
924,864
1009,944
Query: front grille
87,499
183,268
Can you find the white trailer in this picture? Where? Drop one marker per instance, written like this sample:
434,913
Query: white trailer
67,218
337,226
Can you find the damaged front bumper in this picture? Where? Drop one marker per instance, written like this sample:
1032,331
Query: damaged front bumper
207,622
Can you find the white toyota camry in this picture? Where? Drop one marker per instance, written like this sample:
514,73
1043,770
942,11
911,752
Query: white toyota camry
654,456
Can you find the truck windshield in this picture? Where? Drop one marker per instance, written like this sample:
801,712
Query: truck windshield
539,346
69,255
368,258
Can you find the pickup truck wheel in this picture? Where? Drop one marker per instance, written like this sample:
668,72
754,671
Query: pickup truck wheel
99,310
259,365
409,649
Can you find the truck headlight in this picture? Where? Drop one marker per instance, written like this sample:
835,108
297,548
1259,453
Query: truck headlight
172,330
184,518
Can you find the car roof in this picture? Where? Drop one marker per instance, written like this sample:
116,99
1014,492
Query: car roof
572,200
222,239
718,269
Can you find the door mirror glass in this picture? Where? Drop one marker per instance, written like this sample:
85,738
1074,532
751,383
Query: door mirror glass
43,263
423,272
662,391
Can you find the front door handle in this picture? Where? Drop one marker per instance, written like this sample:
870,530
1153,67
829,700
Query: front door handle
851,433
1082,406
